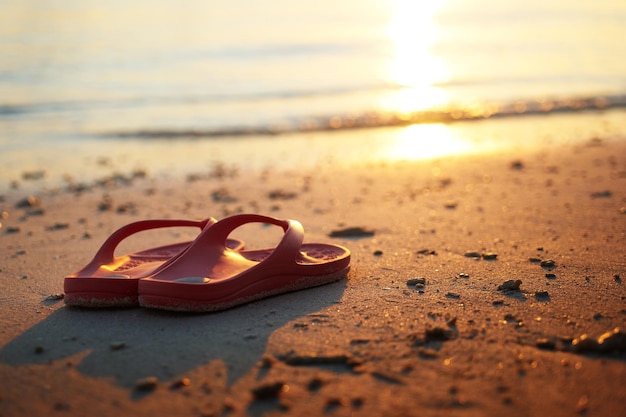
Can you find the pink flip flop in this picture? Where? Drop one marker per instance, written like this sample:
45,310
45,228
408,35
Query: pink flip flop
208,276
110,281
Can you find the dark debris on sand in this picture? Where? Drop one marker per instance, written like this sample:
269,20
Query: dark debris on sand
352,232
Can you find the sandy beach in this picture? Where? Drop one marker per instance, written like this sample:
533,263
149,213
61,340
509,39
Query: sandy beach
481,285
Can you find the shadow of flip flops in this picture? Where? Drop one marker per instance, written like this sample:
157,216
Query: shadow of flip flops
131,344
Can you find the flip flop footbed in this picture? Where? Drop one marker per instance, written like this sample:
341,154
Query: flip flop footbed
247,279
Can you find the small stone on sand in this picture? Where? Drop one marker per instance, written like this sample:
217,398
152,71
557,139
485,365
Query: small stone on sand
58,226
542,295
147,384
352,232
510,285
117,345
416,281
268,391
602,194
181,383
545,343
28,202
54,297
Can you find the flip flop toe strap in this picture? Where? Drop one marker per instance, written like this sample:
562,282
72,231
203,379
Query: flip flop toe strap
106,253
287,249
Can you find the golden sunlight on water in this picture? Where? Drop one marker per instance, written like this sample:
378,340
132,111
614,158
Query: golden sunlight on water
425,141
413,30
417,71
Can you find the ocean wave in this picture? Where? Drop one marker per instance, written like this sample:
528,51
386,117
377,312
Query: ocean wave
376,119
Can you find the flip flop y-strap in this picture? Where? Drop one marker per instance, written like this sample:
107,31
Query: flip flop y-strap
287,250
106,253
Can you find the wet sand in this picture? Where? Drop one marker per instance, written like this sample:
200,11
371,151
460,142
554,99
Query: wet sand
485,288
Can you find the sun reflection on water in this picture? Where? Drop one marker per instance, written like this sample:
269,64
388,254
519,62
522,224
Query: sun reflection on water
419,72
427,141
414,68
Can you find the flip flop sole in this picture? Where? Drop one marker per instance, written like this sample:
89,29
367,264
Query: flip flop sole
102,300
101,292
255,291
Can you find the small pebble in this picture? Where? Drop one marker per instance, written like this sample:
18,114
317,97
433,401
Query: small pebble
551,276
147,384
355,232
58,226
181,383
472,254
582,404
534,260
416,281
378,253
117,345
268,391
28,202
282,195
545,343
602,194
61,406
54,297
510,285
490,256
106,204
548,264
509,318
463,275
542,295
453,295
126,208
36,212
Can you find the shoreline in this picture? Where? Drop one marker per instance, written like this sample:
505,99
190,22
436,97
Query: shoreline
373,344
84,162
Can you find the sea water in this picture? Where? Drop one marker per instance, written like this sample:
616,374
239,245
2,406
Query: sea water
171,82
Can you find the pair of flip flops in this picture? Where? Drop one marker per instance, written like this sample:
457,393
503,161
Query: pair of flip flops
212,272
